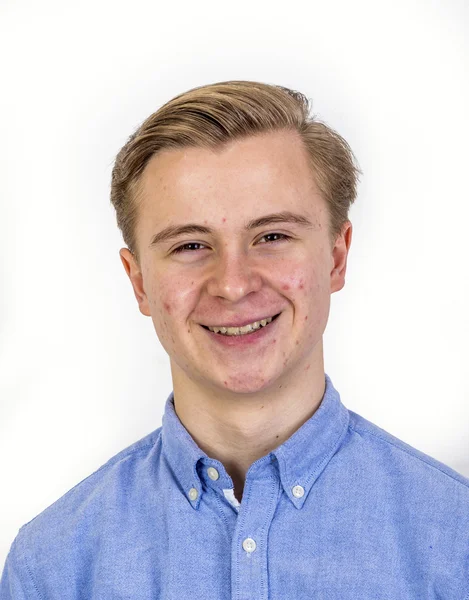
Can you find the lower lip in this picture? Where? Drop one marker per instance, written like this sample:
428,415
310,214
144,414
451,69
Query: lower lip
238,341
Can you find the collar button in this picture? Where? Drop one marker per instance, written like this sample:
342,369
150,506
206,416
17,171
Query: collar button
298,491
213,473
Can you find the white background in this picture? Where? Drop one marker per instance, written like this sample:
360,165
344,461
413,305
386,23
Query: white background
82,374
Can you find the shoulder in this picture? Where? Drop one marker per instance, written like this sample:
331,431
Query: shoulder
91,498
401,459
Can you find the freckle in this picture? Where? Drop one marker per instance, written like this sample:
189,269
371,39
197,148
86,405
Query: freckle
277,435
188,331
192,283
262,407
172,339
285,287
279,386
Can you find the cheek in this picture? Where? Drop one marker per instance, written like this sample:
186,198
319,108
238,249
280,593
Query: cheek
299,282
172,299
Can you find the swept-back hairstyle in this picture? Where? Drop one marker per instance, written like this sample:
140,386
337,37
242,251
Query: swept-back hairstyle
212,115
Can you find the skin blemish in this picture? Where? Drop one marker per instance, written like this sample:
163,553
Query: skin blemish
307,367
285,287
297,342
301,286
224,220
167,307
188,331
274,341
276,436
225,382
306,318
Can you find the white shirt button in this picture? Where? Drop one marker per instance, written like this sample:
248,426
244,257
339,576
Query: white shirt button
249,545
193,493
298,491
213,473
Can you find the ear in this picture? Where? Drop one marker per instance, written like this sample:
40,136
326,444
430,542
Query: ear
339,255
136,278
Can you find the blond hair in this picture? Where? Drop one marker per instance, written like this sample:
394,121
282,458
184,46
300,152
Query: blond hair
211,115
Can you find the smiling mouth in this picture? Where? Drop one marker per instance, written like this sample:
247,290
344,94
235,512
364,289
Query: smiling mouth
246,330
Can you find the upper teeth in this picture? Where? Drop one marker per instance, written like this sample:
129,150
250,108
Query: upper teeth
241,330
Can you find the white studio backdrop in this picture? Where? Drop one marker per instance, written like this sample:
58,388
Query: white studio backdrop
82,374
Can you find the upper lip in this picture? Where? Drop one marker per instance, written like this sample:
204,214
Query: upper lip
240,322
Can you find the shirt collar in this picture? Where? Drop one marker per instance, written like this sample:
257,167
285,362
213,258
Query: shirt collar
299,460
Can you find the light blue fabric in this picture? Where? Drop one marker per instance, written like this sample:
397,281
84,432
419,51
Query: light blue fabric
342,510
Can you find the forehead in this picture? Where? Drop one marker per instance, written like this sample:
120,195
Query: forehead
269,171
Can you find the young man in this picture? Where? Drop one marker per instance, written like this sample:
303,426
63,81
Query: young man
233,203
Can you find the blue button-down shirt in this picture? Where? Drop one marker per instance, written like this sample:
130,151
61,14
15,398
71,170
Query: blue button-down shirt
341,510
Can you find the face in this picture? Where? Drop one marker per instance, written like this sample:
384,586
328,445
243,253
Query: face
255,247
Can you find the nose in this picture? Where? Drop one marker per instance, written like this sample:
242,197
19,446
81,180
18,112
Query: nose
233,278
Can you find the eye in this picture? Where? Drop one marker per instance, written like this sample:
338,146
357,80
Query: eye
189,247
278,235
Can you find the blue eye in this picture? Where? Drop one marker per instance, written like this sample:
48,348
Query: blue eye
187,248
281,235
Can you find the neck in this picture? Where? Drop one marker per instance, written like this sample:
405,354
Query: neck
238,429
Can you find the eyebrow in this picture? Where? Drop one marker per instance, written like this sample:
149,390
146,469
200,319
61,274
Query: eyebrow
174,231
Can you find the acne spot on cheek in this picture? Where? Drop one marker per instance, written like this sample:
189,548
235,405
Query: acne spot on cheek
225,382
307,367
297,342
306,318
188,331
224,220
285,287
167,307
274,342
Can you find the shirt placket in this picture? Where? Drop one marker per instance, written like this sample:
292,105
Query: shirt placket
249,551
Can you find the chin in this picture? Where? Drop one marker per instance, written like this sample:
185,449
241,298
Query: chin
243,385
